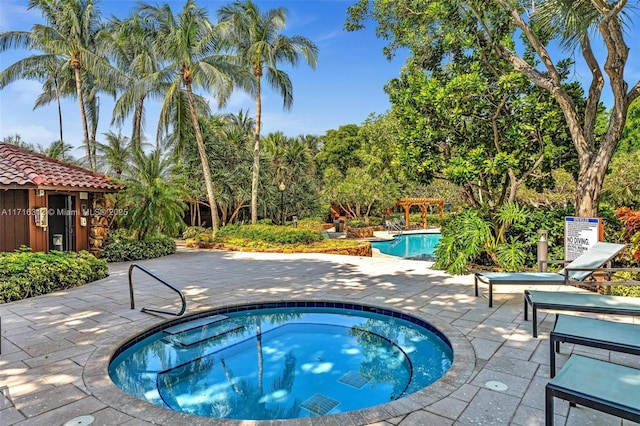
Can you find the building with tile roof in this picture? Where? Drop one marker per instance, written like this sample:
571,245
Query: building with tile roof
48,204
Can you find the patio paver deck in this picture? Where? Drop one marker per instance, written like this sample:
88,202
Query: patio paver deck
52,346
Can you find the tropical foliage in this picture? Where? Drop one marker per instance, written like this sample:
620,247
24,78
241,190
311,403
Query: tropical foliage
257,38
153,196
482,37
122,245
474,120
24,274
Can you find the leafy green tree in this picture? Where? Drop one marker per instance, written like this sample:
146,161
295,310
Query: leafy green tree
229,147
290,161
622,184
357,191
630,141
477,124
256,36
19,142
428,29
338,148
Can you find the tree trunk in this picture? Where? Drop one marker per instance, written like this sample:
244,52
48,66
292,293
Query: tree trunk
593,161
83,116
59,108
136,134
206,171
255,177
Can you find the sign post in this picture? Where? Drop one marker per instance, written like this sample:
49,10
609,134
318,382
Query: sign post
580,233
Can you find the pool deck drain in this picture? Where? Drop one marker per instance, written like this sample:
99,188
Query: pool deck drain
55,348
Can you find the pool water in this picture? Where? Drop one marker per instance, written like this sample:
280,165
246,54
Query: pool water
410,246
282,363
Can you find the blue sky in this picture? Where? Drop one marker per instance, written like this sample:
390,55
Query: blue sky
345,88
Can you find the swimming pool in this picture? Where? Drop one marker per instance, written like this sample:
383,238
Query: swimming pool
410,246
282,360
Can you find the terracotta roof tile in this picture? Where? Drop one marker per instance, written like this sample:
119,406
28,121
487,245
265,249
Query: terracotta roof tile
23,167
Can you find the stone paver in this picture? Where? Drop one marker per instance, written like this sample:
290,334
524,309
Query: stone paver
55,348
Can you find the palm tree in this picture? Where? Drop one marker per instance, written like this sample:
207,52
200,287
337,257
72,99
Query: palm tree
153,197
68,36
115,154
131,41
58,150
257,38
57,81
192,46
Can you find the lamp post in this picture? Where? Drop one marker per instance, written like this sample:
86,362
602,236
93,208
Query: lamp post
282,187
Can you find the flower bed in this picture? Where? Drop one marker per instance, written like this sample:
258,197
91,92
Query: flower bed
362,249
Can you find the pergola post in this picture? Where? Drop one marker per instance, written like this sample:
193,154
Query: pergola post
406,216
406,204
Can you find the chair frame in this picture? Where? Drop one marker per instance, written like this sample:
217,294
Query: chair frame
557,336
559,278
528,300
574,397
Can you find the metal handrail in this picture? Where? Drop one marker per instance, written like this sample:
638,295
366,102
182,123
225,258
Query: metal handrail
394,227
163,281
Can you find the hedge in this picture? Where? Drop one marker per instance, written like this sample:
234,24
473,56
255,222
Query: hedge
24,274
121,246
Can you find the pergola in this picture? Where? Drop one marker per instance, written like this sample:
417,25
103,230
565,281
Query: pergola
422,203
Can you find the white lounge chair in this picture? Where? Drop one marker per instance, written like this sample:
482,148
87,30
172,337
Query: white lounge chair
578,270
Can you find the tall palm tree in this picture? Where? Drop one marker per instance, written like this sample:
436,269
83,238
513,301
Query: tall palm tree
68,35
134,53
192,47
57,81
257,38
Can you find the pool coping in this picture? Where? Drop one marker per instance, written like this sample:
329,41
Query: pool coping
96,378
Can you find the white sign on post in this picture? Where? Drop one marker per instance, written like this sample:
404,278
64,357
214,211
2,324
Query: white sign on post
580,233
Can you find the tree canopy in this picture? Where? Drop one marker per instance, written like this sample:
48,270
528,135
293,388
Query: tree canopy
521,34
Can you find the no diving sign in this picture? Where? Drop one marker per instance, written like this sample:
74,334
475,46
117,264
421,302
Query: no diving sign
580,233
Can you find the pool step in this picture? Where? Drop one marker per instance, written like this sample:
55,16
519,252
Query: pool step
211,331
190,325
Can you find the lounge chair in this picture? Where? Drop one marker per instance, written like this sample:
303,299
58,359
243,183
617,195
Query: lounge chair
609,335
578,270
597,384
578,302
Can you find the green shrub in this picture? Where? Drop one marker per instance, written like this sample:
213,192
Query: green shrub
269,234
24,274
192,231
361,223
356,223
122,246
625,290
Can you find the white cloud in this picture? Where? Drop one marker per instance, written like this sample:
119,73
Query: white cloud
31,133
